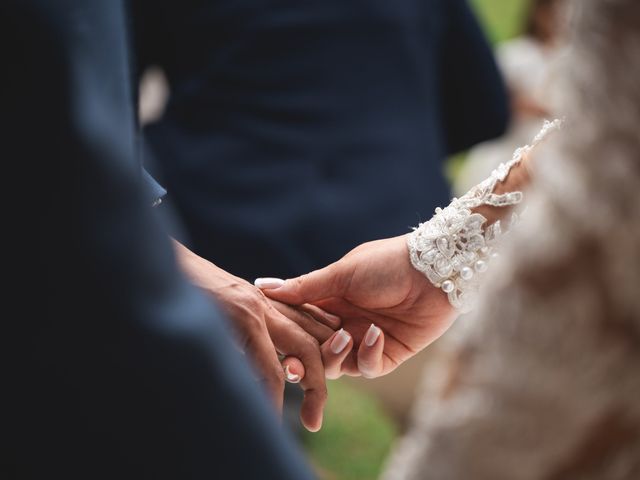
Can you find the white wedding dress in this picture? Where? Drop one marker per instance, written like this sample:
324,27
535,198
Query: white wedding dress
542,380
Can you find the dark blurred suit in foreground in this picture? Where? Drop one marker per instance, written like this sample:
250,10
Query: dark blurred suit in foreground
117,367
296,130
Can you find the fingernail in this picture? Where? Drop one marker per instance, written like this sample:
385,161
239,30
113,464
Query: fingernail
268,283
372,335
340,341
291,377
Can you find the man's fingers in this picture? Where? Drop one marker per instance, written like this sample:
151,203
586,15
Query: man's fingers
330,320
306,320
334,353
370,362
309,288
315,394
292,341
265,358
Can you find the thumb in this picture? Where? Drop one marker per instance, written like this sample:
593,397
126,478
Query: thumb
309,288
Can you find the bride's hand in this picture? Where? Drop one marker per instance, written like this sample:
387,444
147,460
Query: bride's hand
373,289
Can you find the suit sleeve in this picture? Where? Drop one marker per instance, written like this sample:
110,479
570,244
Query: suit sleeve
474,98
121,369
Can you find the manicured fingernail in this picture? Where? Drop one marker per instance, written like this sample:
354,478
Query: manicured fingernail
268,283
291,377
340,341
372,335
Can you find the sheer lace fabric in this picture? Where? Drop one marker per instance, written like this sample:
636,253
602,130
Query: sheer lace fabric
454,248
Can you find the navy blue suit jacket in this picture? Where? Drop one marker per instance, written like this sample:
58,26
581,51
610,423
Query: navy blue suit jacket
296,130
118,367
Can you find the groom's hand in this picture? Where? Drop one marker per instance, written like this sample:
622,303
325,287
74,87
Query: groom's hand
266,328
374,289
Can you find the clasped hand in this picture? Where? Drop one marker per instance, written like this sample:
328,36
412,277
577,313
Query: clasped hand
388,312
268,329
390,309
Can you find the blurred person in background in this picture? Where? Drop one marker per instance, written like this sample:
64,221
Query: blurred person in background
529,64
296,130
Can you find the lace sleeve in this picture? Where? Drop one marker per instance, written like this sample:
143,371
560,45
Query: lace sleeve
541,381
453,249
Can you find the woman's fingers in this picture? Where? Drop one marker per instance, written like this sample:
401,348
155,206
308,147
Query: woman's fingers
309,288
308,319
334,352
263,353
370,361
293,369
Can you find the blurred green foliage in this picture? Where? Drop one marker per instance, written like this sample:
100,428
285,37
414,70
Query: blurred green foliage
355,437
502,19
357,434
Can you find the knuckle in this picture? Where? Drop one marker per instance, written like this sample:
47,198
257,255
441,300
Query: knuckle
254,323
336,272
274,376
254,331
278,376
321,393
301,280
308,347
309,342
253,301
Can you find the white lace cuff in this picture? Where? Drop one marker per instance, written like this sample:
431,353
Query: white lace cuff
453,248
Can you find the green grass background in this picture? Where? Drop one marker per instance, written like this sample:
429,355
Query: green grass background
357,434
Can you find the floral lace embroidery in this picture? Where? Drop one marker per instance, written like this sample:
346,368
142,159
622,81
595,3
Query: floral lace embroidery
453,248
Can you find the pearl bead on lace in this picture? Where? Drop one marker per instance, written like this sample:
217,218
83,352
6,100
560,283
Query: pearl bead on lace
466,273
448,286
481,266
454,247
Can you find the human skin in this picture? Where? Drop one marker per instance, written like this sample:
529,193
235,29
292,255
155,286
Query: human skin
376,292
267,328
